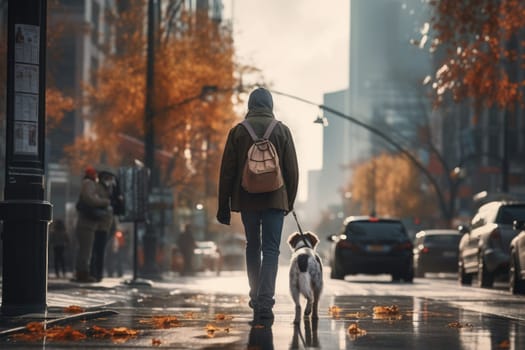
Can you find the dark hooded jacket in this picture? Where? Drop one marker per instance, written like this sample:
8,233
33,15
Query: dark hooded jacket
232,197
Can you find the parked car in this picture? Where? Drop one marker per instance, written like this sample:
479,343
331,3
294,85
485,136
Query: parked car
517,260
207,257
436,251
371,245
484,247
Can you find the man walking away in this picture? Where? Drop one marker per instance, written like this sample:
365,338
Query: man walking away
262,214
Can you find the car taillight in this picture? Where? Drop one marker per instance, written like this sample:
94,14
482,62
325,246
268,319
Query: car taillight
424,249
348,245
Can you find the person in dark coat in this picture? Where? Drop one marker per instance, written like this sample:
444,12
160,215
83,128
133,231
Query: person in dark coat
90,197
187,245
58,239
262,214
106,189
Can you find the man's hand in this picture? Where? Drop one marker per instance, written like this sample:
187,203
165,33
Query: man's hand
224,216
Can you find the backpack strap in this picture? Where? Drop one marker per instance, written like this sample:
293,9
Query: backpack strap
267,133
250,130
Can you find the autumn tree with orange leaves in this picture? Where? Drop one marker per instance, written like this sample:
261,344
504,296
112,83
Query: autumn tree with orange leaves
480,42
190,127
390,185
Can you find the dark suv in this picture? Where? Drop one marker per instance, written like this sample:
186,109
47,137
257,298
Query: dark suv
370,245
484,247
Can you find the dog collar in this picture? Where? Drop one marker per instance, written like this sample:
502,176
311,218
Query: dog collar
304,245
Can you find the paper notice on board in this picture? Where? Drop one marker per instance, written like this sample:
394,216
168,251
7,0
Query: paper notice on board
27,43
26,78
26,107
26,138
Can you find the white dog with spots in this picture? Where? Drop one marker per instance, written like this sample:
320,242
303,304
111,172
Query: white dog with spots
306,273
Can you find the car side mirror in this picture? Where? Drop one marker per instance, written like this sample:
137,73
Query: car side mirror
518,225
463,229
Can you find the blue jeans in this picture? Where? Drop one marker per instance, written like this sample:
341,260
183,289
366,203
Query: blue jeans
263,230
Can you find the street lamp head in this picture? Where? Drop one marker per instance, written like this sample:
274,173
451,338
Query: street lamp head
321,120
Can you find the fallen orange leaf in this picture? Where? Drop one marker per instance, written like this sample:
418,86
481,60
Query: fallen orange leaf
123,331
210,330
155,342
35,326
355,332
458,324
74,309
334,311
165,321
100,332
389,310
223,317
64,333
37,332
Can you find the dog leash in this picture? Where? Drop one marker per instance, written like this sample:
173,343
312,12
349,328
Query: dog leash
303,236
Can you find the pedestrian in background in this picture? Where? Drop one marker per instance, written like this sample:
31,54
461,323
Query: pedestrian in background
106,188
94,211
187,245
262,214
58,239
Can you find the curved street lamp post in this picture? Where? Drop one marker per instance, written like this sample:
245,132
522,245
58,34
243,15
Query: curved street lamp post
447,211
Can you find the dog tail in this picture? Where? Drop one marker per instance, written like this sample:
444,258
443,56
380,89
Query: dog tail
305,279
305,284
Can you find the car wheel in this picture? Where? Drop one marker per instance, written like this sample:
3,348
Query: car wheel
464,279
336,273
409,276
516,284
485,278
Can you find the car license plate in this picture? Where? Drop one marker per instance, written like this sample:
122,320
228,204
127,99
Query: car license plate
375,248
449,254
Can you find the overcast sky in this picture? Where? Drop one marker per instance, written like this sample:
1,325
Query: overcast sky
302,47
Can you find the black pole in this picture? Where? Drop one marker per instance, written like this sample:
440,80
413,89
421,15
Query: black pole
135,245
505,158
150,270
24,212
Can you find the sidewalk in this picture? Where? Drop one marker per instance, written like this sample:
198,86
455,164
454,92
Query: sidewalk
91,299
176,312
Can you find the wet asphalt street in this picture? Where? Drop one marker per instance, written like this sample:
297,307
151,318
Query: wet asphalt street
210,312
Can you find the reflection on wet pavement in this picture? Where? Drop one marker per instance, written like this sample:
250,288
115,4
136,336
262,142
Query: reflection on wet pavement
176,320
